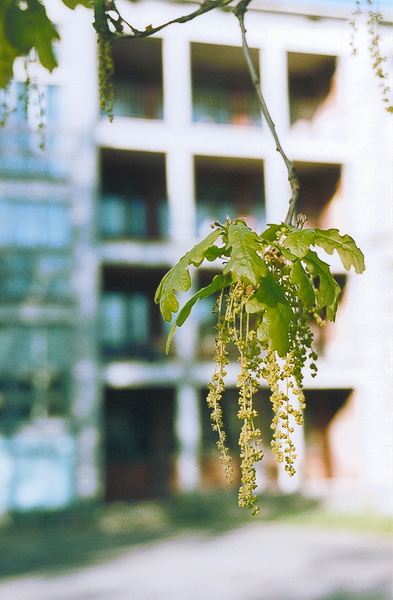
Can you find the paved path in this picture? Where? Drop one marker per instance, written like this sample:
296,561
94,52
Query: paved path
258,562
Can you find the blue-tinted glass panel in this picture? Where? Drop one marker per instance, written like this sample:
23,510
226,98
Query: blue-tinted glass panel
38,276
113,329
58,226
27,349
22,151
28,225
125,321
113,216
139,318
138,217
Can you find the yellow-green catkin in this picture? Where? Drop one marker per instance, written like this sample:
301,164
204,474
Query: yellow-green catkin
216,388
374,19
259,360
105,75
250,441
233,327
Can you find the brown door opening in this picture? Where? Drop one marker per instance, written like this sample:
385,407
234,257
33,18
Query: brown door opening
139,443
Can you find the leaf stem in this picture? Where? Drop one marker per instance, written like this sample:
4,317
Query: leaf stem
239,11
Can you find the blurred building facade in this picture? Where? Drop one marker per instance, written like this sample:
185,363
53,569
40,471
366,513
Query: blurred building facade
91,407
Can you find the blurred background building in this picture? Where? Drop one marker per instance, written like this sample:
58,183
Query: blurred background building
90,405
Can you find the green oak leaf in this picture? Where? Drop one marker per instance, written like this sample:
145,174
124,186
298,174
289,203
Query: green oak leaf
299,241
213,252
31,28
349,253
178,278
8,53
218,283
73,3
245,262
305,289
270,234
328,290
277,313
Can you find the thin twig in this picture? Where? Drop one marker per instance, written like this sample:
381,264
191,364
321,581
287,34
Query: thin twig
205,7
239,11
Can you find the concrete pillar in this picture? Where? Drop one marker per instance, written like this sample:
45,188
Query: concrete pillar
188,433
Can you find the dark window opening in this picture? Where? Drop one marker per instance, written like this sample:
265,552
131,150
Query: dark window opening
130,322
229,187
222,91
139,442
319,185
137,78
310,83
206,317
42,394
322,407
323,335
133,200
212,471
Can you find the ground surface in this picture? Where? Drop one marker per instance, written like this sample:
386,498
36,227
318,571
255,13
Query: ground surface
264,560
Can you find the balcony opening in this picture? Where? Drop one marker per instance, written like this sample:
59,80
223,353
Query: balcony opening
229,187
324,411
319,189
327,411
222,91
206,317
130,323
133,201
211,468
139,443
311,86
138,83
324,335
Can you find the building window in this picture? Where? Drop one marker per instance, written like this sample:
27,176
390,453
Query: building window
25,397
311,85
323,410
33,365
27,349
36,276
133,200
229,187
24,151
130,323
137,78
34,225
222,91
324,335
206,317
139,442
212,471
320,186
34,243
